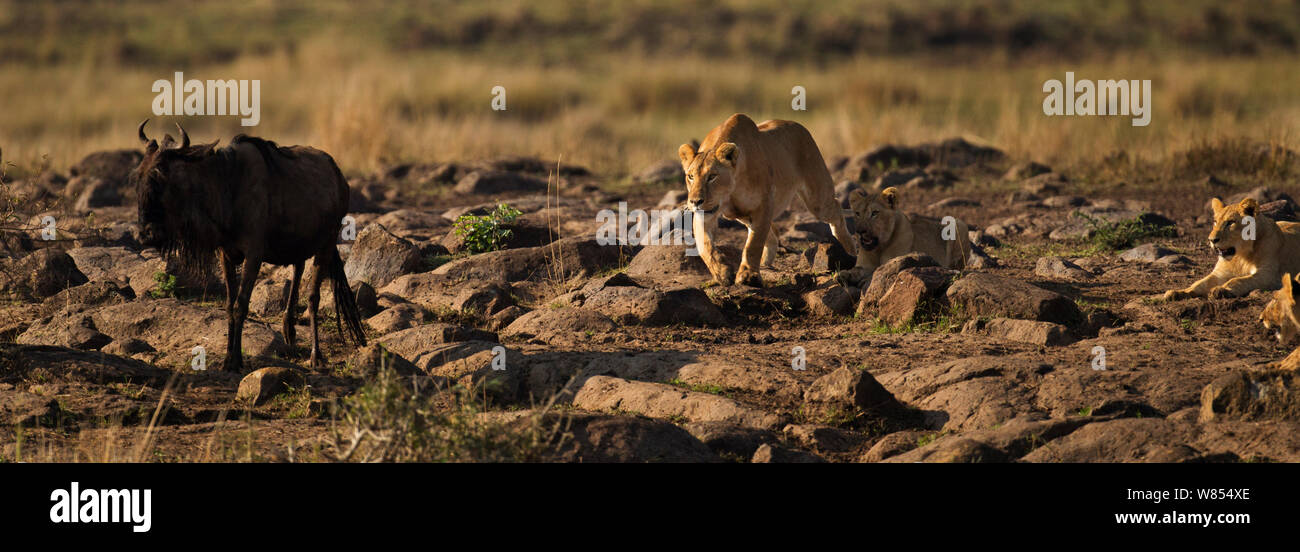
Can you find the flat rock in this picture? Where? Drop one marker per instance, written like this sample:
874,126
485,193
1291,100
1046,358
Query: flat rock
657,400
264,383
983,294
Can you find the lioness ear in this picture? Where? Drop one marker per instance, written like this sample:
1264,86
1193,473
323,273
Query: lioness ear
858,200
726,154
1286,285
1216,205
1249,206
686,153
889,196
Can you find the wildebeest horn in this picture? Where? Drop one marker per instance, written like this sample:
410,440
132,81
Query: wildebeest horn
140,131
185,138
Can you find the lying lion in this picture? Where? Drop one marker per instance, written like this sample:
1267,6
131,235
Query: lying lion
750,173
884,232
1283,318
1244,264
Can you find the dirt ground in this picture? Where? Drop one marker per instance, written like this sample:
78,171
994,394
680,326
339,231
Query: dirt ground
637,357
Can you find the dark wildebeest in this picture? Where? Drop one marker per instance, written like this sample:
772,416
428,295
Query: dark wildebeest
250,202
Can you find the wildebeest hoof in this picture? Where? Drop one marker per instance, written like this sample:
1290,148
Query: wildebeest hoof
234,364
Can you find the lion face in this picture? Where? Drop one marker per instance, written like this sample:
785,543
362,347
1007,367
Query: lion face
1280,314
1226,236
875,217
709,175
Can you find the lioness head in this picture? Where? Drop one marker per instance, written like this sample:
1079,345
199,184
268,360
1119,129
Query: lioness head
1225,237
709,175
1280,314
875,216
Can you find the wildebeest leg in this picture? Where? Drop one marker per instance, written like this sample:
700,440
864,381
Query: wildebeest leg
313,302
291,309
247,279
233,360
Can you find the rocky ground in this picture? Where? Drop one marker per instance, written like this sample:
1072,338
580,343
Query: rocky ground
627,353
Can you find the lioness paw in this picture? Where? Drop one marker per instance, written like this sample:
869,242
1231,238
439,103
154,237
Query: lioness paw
1176,295
749,278
1221,293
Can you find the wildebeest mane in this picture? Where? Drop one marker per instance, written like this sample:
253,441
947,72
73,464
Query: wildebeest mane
195,229
267,148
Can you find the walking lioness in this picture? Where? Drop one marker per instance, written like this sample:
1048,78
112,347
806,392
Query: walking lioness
750,173
1249,258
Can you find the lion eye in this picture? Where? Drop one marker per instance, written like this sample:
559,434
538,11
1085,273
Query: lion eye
874,213
712,177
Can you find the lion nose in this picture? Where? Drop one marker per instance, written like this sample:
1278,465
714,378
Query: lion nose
694,202
1214,239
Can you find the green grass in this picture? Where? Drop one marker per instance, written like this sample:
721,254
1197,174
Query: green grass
295,403
709,388
1114,236
392,419
931,318
431,262
1007,250
929,438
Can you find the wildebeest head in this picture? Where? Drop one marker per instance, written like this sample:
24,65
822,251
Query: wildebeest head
175,189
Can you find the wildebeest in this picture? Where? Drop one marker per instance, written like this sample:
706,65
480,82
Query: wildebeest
245,204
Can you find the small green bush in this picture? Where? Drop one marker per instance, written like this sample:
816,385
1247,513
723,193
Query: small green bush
487,232
166,285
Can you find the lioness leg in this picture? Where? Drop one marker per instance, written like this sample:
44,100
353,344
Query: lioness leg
818,196
1242,285
748,274
1201,288
703,226
770,249
1291,362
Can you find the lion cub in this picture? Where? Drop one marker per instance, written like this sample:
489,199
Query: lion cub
1283,318
884,232
1245,265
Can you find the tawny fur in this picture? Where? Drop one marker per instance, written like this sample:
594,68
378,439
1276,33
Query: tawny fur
750,173
1283,318
885,232
1245,265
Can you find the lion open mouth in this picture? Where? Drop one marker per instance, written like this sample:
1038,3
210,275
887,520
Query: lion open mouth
868,242
1226,253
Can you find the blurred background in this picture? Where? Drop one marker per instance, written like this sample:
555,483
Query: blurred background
616,86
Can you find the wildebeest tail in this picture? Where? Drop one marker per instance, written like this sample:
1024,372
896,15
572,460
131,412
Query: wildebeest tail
345,304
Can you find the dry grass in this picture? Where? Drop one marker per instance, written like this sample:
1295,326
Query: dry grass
371,102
